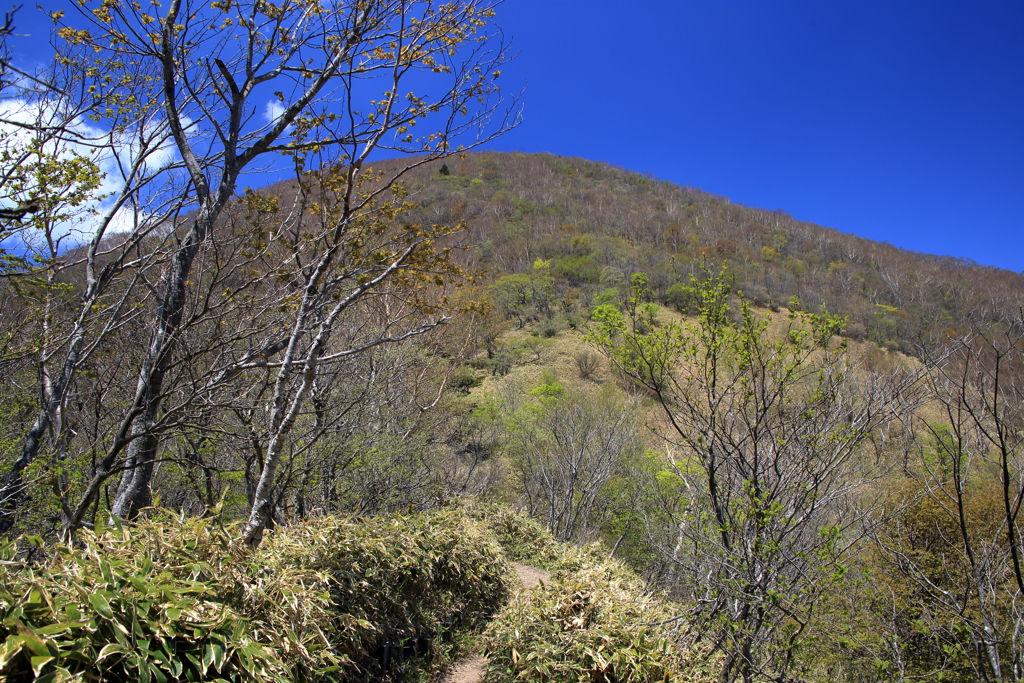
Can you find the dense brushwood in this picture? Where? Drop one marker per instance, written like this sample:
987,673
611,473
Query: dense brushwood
594,620
523,538
397,577
182,599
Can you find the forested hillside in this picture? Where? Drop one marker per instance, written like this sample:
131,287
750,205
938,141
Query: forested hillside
729,416
596,224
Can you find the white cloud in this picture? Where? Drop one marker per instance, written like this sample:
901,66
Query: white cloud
273,111
112,152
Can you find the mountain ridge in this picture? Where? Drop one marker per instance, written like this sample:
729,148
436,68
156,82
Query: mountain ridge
594,224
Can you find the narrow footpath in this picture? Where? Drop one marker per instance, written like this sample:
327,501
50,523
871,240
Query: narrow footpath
471,669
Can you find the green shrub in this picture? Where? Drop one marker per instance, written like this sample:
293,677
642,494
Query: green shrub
462,382
606,297
185,600
678,295
578,270
395,578
523,538
160,602
591,622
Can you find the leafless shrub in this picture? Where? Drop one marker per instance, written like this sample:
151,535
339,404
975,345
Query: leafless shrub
587,364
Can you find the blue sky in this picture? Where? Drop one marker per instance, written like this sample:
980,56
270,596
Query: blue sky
900,121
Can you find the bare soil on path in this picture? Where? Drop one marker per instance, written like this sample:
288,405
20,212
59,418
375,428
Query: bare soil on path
471,669
531,576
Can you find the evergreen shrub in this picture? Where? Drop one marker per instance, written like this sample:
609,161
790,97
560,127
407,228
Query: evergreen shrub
593,621
176,599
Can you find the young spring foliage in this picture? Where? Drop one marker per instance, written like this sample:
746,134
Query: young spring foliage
766,425
185,97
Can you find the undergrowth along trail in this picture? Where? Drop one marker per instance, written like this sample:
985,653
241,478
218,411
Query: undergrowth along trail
180,599
472,668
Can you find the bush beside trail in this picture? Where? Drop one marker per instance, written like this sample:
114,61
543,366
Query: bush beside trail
183,600
393,578
177,599
593,622
523,538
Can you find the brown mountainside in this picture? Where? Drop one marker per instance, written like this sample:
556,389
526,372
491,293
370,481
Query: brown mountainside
596,224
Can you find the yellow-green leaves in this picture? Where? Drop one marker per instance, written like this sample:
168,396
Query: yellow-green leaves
185,600
593,621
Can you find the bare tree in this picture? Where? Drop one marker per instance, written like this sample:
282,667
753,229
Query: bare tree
968,509
768,429
565,450
216,90
63,169
358,281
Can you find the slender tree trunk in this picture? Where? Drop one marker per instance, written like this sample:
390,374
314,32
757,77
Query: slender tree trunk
13,489
134,492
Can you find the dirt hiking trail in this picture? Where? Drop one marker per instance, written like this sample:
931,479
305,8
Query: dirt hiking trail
471,669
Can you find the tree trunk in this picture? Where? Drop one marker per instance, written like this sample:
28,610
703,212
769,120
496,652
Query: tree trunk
133,492
13,489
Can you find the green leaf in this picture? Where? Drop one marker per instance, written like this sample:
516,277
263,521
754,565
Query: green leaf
55,629
58,675
207,657
107,574
36,644
119,633
12,646
245,661
101,604
110,649
39,662
195,662
176,667
219,656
